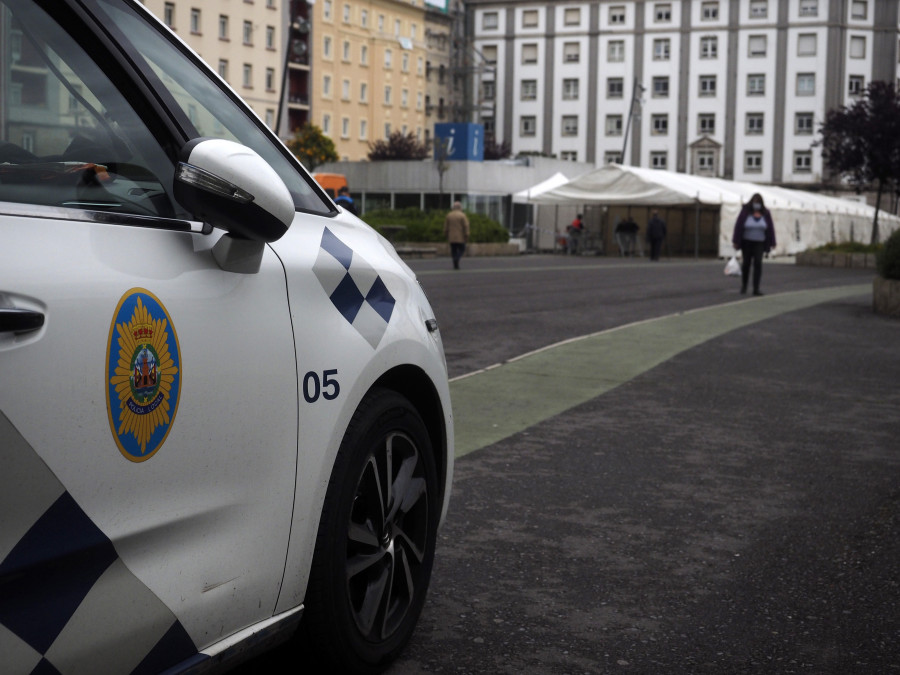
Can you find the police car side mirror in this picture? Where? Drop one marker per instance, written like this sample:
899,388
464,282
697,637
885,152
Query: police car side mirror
229,186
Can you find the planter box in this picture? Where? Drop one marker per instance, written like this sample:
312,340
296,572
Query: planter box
886,296
826,259
442,248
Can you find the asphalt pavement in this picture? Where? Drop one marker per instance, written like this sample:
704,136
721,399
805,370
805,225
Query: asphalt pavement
656,474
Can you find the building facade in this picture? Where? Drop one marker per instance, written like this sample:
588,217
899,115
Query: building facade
241,39
728,88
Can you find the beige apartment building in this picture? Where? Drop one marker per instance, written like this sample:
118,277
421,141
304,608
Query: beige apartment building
369,61
241,39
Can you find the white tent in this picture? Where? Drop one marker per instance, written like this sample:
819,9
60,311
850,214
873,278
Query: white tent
802,219
535,191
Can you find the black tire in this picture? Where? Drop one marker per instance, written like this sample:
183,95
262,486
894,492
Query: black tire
376,540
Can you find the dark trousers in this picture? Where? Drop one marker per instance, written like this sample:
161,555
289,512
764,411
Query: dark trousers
751,253
456,252
655,247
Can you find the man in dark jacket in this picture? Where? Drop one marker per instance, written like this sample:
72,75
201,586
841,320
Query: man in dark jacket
656,233
344,199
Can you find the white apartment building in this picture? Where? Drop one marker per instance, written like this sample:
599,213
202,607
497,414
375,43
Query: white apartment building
728,88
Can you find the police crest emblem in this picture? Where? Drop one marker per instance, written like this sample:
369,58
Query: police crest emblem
143,374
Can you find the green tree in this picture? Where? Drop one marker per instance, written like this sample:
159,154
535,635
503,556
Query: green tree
312,147
398,146
861,142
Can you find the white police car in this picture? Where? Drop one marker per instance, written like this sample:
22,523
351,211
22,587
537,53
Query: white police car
224,408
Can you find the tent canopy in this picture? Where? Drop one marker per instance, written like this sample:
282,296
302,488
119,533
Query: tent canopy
819,218
535,191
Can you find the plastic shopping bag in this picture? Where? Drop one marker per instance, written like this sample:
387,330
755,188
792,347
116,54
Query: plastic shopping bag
732,268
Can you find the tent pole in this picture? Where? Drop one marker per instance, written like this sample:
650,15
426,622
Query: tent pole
697,232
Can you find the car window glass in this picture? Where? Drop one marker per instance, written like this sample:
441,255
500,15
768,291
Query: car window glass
67,135
206,105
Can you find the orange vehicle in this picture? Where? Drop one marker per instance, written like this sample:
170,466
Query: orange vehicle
331,182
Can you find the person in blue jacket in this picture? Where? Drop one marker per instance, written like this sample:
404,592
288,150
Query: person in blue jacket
754,235
344,199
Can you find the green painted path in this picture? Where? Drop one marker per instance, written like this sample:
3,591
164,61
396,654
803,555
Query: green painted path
497,402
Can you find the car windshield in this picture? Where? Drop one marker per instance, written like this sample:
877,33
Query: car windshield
203,101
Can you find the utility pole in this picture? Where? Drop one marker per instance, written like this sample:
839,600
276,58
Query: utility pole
636,92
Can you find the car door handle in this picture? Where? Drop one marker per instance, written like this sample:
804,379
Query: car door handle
19,320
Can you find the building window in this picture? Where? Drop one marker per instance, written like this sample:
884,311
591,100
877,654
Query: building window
659,125
489,52
756,84
615,51
529,53
223,69
809,7
759,9
490,21
404,62
617,14
530,18
859,9
706,162
248,76
488,90
363,93
326,10
270,37
195,21
753,161
857,85
613,125
381,27
709,11
404,97
570,125
364,22
270,118
169,14
326,124
659,160
270,79
345,127
572,16
529,90
571,52
756,45
569,156
707,85
248,32
223,27
363,129
614,87
387,94
709,47
326,47
662,12
326,85
802,161
396,27
612,157
806,44
803,124
388,58
570,89
754,124
806,84
527,125
346,13
419,99
661,87
345,90
387,130
345,54
661,49
857,47
706,123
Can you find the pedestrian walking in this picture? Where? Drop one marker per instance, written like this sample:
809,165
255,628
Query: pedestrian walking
656,234
344,199
574,230
456,229
754,235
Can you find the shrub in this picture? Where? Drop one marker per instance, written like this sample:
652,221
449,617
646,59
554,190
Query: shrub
428,226
849,247
888,260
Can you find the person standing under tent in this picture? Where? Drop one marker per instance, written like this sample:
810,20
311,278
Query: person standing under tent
754,235
656,233
575,230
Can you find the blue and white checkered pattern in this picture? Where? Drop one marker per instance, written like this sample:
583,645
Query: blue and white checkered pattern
354,287
68,603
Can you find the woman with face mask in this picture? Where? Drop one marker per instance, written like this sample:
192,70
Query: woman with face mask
754,234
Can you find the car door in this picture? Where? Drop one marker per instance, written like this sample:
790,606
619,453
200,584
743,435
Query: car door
148,398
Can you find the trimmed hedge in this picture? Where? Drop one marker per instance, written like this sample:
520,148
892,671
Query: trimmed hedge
888,259
422,226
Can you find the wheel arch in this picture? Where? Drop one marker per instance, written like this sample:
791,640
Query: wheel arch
417,387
